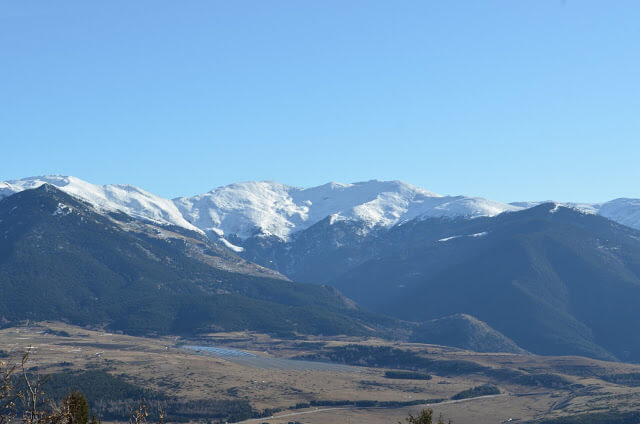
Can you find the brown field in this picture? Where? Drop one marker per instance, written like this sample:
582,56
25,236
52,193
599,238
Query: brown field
269,382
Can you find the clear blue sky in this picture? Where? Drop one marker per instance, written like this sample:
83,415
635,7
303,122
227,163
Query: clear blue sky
510,100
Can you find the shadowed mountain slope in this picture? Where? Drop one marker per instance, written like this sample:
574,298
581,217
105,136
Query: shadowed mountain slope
553,279
61,259
465,332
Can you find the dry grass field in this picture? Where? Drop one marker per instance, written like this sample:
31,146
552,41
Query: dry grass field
268,379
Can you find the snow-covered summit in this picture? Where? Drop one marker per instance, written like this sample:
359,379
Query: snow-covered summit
267,207
125,198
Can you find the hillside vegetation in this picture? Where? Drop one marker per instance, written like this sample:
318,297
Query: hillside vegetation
62,260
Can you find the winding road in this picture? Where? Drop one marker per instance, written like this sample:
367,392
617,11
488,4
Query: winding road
315,411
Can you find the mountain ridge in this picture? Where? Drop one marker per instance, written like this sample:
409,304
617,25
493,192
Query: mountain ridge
125,198
60,259
267,208
240,211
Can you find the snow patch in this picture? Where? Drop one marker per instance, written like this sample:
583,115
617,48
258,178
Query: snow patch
482,234
216,231
449,238
231,246
62,210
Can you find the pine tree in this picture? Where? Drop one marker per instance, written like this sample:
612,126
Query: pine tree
425,417
78,407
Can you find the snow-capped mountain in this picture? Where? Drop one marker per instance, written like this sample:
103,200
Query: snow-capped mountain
129,199
271,208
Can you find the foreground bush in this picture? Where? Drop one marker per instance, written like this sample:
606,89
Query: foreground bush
424,417
23,400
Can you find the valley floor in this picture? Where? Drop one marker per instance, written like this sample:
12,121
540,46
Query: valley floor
264,374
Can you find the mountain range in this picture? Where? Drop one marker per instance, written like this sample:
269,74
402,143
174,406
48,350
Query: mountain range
545,277
243,210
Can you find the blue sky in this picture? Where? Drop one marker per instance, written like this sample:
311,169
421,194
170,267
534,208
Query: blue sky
510,100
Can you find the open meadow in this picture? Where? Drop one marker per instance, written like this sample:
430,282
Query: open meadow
354,387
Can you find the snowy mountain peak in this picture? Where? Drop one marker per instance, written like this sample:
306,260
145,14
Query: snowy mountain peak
129,199
270,208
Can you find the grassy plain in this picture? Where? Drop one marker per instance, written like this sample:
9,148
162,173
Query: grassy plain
162,365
